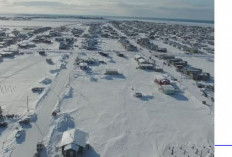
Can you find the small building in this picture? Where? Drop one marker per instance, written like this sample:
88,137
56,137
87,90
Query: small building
142,61
168,89
83,66
137,57
111,72
161,80
146,66
73,142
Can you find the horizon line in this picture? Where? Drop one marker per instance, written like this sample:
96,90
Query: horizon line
115,16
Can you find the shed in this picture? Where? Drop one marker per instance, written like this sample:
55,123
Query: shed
111,72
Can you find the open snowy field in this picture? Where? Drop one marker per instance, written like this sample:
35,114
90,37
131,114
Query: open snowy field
104,106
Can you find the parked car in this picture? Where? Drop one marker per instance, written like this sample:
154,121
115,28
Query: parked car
138,95
37,89
103,54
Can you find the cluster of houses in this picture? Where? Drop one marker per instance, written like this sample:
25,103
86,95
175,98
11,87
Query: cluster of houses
127,45
43,39
66,43
193,39
94,30
84,63
10,37
109,32
90,44
126,27
26,45
145,42
41,30
182,66
77,32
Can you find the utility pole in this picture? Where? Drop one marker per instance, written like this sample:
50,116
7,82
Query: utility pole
180,79
27,104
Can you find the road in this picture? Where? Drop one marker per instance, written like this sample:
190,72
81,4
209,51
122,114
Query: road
40,129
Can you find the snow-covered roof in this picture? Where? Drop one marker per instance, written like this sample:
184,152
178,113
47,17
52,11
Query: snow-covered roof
160,77
137,57
168,87
73,136
141,60
71,146
83,64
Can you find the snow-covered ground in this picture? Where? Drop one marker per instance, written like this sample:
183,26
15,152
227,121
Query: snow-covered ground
118,124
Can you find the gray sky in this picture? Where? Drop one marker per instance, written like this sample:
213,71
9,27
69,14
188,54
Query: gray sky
187,9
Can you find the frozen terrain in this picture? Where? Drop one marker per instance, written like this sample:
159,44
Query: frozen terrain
104,106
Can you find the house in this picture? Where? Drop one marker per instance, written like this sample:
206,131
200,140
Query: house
175,60
161,80
146,66
142,61
164,50
167,89
192,72
179,68
182,63
168,57
73,142
158,69
137,57
7,54
204,76
194,50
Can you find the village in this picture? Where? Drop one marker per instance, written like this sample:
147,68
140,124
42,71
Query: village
93,88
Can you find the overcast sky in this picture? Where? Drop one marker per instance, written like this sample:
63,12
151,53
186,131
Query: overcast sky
185,9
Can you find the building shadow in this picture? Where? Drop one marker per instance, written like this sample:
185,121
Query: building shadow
147,97
90,153
179,96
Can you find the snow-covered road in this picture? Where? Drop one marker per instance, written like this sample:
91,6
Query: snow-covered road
40,129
